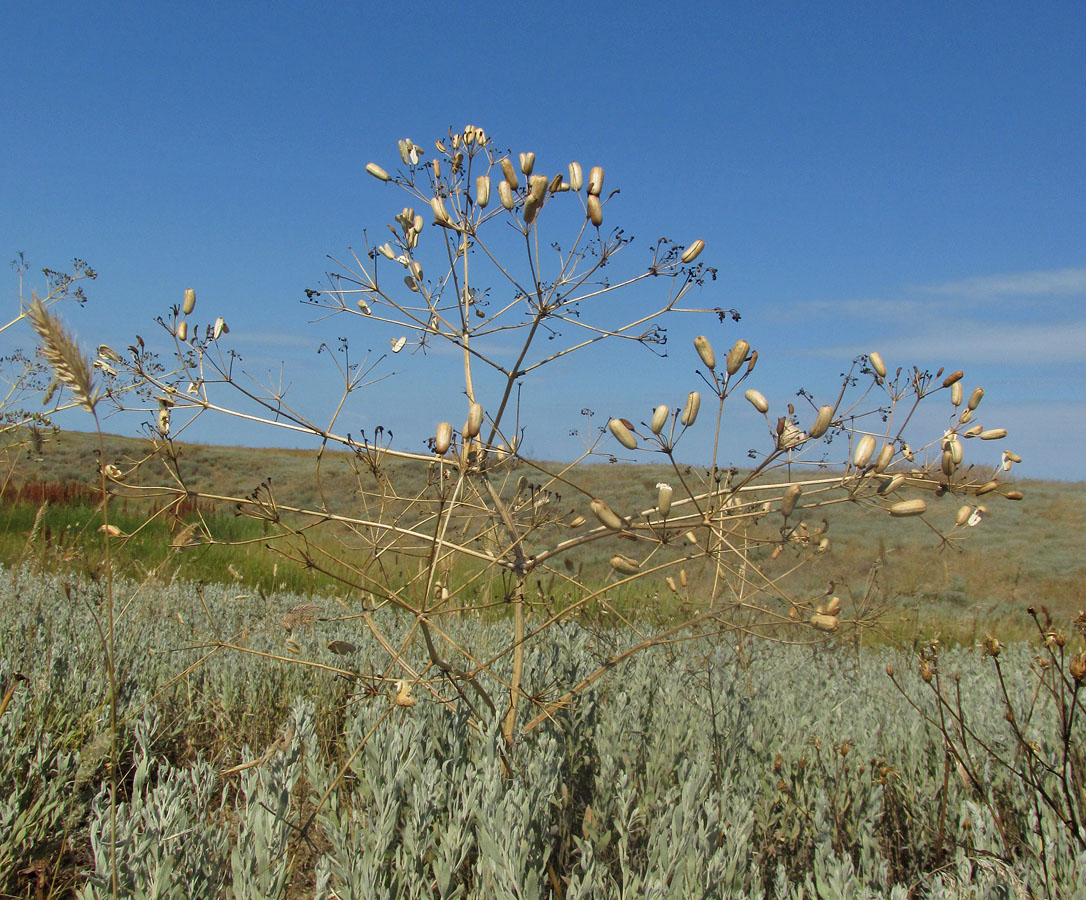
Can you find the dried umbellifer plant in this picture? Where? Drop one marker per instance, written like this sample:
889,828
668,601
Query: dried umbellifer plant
472,261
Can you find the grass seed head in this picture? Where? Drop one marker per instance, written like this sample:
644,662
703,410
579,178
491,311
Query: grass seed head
69,365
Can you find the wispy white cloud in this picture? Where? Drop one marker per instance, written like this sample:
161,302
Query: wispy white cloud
880,310
1050,282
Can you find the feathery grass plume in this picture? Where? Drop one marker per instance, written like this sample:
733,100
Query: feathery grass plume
62,353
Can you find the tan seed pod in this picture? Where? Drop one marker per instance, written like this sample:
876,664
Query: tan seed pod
377,172
955,448
975,398
833,607
219,328
607,516
164,420
111,530
530,210
993,434
527,163
865,449
482,191
364,306
474,421
705,351
788,502
386,251
987,488
757,400
1012,456
671,585
752,362
659,418
537,188
877,364
108,353
957,393
824,545
690,412
441,215
622,434
947,463
777,551
595,210
915,507
1014,495
693,251
595,180
576,522
412,285
973,431
443,438
682,577
556,184
907,452
822,422
892,484
825,623
182,331
953,378
966,416
509,172
505,194
403,697
576,177
885,457
624,564
436,166
190,303
664,493
737,356
964,512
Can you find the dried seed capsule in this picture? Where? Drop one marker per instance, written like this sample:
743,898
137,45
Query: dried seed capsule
682,577
966,416
595,210
964,512
914,507
833,607
182,330
947,464
417,224
824,545
1010,454
505,194
576,177
891,484
865,449
556,184
441,216
607,516
693,251
757,400
595,180
443,438
877,364
671,585
821,422
474,421
690,413
527,163
825,623
955,448
664,492
509,172
659,419
953,378
386,251
576,522
537,188
1014,495
974,431
788,502
622,434
482,191
219,328
993,434
885,457
975,398
987,488
377,172
190,302
737,356
705,351
956,393
530,210
625,565
436,166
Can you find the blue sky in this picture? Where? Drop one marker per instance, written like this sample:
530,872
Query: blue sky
906,178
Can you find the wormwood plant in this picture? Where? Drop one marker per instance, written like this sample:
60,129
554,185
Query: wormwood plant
512,270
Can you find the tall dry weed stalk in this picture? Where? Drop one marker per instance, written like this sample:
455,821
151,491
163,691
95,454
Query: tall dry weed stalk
509,265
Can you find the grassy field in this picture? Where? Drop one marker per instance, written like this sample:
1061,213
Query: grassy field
1022,553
